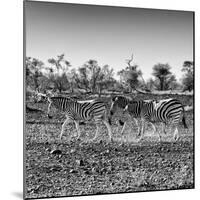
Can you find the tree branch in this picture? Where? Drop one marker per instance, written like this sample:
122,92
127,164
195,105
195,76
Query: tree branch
128,61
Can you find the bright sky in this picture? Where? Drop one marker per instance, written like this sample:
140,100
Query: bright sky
109,35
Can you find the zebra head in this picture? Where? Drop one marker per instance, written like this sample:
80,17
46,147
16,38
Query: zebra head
118,102
113,105
58,103
40,97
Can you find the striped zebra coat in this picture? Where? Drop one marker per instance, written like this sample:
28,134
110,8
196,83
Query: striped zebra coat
166,111
76,111
120,102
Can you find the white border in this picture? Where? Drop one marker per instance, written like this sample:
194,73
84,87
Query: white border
11,99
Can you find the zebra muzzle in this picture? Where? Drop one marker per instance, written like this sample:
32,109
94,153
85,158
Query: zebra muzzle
121,122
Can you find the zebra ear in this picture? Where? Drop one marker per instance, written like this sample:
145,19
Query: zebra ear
126,108
115,98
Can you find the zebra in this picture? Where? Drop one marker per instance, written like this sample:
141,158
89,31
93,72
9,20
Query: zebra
76,111
134,111
120,102
167,111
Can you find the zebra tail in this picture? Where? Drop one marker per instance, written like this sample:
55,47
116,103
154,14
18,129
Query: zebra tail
183,119
109,121
184,122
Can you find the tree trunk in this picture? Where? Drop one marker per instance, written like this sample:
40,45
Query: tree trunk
71,88
161,84
100,90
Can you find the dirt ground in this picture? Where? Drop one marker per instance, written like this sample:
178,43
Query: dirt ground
67,168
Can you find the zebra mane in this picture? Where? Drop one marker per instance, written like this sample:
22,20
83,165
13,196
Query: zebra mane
121,97
61,97
114,98
133,101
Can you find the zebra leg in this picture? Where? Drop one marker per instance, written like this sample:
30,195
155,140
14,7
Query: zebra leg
96,133
138,125
164,128
63,127
142,128
155,130
176,134
139,129
141,134
118,127
123,128
78,129
136,121
109,129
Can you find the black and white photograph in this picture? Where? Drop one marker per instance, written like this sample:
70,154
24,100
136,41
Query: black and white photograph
108,99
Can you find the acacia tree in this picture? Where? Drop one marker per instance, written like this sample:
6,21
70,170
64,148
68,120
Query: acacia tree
33,72
151,84
58,72
188,66
163,74
88,76
172,83
93,70
105,79
188,79
82,79
93,78
131,75
73,79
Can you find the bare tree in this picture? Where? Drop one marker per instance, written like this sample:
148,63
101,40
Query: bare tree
131,75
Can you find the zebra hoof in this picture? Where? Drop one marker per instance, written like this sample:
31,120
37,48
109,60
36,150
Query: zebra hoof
176,138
